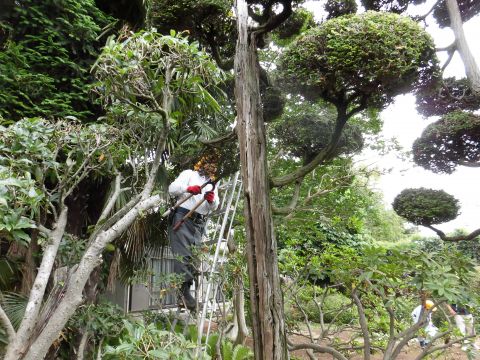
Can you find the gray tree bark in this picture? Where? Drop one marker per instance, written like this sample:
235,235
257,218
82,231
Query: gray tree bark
471,68
265,294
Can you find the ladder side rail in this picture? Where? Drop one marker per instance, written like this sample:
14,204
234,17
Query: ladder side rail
217,252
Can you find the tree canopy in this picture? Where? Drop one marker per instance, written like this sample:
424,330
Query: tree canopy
363,59
426,206
452,141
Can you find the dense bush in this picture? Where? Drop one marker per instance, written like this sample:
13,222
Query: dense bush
426,206
373,55
46,58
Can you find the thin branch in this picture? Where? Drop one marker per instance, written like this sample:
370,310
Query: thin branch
7,324
423,17
317,348
431,349
293,202
363,324
322,156
449,59
111,202
457,238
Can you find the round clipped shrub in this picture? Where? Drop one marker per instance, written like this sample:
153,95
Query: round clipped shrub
453,140
426,206
367,58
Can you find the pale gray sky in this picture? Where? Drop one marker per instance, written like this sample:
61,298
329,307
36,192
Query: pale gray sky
402,121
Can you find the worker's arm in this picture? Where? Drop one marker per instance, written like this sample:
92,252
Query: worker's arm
179,186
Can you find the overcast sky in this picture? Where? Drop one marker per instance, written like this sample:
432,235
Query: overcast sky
402,121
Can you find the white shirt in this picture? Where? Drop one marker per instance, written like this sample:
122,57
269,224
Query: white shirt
416,315
189,178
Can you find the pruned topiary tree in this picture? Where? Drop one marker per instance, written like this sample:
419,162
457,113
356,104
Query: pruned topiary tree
449,142
357,62
428,207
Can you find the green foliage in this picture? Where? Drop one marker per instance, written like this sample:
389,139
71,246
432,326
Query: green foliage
300,20
103,321
152,83
140,341
426,206
14,306
369,57
450,95
336,8
306,129
45,61
35,154
449,142
394,6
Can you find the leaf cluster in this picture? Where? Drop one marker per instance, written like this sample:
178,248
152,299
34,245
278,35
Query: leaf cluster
46,55
450,95
449,142
41,162
367,58
304,130
152,82
426,206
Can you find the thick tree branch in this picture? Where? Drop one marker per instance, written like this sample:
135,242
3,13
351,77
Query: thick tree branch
321,157
276,20
293,202
457,238
7,324
471,68
16,349
73,294
473,164
113,198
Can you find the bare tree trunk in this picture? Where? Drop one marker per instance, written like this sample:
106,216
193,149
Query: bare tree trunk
265,293
471,67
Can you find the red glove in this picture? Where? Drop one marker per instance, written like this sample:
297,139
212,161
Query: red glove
209,196
194,189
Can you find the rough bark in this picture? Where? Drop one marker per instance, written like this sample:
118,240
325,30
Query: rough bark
265,293
471,68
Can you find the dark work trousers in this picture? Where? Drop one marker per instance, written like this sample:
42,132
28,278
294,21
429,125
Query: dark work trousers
182,241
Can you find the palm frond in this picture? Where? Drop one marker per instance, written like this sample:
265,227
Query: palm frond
14,305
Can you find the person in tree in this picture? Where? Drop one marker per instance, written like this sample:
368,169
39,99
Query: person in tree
430,329
189,234
464,321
